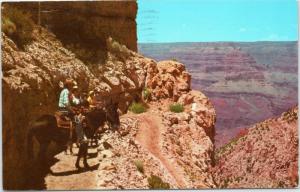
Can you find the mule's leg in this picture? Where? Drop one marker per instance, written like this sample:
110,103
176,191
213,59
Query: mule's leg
67,147
78,157
71,147
85,153
43,150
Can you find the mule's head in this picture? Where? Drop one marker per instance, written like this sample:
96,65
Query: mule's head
113,115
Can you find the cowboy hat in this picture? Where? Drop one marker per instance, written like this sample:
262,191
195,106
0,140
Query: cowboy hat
91,93
68,82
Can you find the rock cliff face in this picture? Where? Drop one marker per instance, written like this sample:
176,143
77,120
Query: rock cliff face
30,89
177,147
263,156
246,82
84,26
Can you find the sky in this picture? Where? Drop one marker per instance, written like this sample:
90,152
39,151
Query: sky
161,21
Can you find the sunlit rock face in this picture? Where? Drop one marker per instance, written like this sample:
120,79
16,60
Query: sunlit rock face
31,88
246,82
263,156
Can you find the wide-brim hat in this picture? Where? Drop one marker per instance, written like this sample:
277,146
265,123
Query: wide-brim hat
91,93
68,82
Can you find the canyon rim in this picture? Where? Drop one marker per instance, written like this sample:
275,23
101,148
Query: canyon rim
192,115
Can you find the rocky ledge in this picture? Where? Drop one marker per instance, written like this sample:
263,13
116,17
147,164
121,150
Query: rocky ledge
30,89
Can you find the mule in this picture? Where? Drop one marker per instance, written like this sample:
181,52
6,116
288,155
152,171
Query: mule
46,130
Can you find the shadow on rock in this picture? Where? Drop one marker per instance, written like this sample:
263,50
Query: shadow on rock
36,173
92,155
76,171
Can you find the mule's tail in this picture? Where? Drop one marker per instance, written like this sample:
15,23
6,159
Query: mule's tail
30,143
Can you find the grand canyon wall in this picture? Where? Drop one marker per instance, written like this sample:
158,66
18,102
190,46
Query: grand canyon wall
263,156
246,82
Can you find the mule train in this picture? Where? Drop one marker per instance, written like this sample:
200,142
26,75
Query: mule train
46,130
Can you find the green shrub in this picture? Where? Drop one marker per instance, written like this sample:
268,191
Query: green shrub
18,25
137,108
156,182
174,59
117,47
8,27
146,93
139,165
176,108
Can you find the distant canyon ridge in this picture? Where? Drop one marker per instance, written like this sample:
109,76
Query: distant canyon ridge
246,82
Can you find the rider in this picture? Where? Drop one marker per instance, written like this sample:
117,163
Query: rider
90,99
78,118
64,99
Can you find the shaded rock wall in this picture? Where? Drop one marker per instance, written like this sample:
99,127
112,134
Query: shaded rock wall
30,88
84,26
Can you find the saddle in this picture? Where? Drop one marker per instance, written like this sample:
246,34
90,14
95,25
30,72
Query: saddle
62,120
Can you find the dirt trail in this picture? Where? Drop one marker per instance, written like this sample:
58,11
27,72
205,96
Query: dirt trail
149,136
65,176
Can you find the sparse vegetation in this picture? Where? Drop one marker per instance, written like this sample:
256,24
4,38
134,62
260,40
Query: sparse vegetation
17,25
139,165
115,46
8,27
137,108
225,183
146,94
280,184
174,59
290,116
156,182
227,147
176,108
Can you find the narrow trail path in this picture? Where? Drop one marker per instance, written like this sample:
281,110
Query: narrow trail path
65,176
149,136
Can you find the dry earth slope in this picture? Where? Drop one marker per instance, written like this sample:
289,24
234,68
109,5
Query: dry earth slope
265,156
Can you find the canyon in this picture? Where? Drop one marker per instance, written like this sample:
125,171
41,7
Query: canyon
222,87
246,82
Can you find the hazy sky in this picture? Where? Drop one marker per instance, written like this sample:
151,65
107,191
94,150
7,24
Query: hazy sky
217,20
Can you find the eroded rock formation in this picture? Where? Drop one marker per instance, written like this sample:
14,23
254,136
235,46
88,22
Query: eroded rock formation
246,82
264,156
30,89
